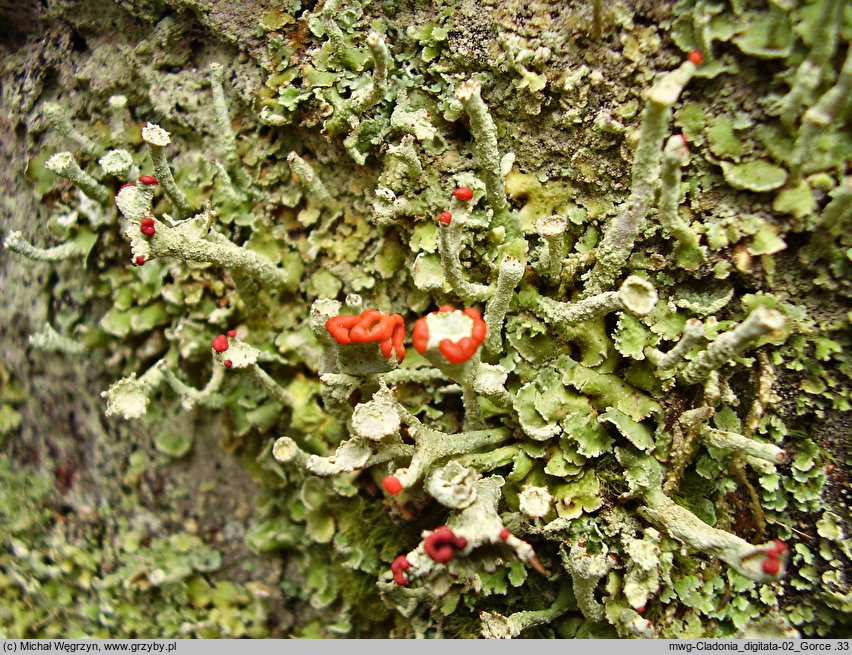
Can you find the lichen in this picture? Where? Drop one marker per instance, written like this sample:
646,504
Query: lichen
623,322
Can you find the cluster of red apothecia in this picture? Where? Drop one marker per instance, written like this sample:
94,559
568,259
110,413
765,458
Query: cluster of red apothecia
440,545
146,225
388,330
463,193
772,564
220,344
456,352
371,326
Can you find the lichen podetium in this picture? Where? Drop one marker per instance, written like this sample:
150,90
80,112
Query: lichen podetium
620,258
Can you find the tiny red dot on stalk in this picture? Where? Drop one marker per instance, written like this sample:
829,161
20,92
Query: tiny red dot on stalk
771,566
146,226
220,343
148,179
696,57
445,218
504,534
780,546
683,138
232,333
392,485
641,609
125,185
140,259
227,363
463,193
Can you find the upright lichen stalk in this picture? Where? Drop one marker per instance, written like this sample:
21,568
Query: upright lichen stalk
621,233
157,139
488,156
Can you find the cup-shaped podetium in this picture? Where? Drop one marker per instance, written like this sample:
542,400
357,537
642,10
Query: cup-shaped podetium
456,334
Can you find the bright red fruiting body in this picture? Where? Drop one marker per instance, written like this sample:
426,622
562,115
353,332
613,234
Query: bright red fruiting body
148,179
220,343
392,485
696,57
146,226
504,534
420,335
463,193
479,328
371,326
458,352
640,609
442,544
454,351
227,363
232,333
445,217
124,186
338,327
780,547
771,565
140,259
399,566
